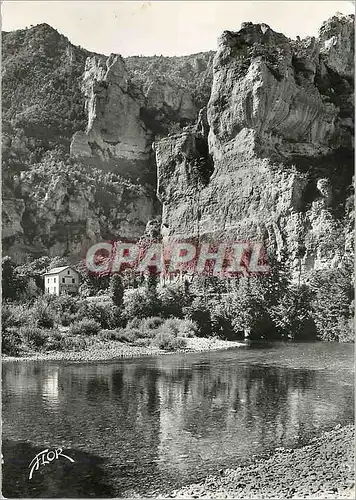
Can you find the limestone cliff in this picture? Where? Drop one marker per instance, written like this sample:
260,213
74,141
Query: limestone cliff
131,104
277,161
69,112
59,209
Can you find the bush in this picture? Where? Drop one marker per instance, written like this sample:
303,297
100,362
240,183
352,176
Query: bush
14,316
75,343
199,313
187,328
55,341
11,341
222,316
107,335
292,314
142,342
33,337
99,312
332,303
165,340
42,313
172,326
140,303
125,335
120,334
65,304
67,319
85,327
134,323
173,298
151,323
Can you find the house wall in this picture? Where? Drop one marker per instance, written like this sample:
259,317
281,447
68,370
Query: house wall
65,281
68,281
52,284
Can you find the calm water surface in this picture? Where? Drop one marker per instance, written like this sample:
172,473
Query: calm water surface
153,424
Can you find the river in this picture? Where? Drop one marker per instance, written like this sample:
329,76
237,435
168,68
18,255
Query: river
148,425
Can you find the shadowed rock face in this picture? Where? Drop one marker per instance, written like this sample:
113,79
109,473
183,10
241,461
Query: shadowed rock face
278,154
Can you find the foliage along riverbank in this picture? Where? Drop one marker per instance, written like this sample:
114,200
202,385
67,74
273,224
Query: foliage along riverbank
105,350
324,468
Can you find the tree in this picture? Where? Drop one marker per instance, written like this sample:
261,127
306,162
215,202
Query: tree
13,284
332,303
116,290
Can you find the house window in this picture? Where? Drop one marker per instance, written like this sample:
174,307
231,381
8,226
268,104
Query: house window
68,272
73,280
54,280
63,280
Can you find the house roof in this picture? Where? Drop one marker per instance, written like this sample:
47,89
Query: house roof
57,270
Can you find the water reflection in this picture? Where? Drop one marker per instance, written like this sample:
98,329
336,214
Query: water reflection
160,422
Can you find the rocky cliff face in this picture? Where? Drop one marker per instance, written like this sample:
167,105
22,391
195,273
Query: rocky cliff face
268,155
66,110
129,105
57,209
115,135
277,161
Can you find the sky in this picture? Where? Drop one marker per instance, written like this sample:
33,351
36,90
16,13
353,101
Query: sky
165,27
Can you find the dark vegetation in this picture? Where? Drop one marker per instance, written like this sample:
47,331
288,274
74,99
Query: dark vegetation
41,96
141,311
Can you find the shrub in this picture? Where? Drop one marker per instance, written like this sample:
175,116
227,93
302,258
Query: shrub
67,319
85,326
165,340
11,341
187,328
55,341
148,326
75,343
65,304
107,335
151,323
199,313
134,323
99,312
172,326
42,313
33,337
143,342
222,319
173,298
126,335
14,315
140,303
292,314
332,303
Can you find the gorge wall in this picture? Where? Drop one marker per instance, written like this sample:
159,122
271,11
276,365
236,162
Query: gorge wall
253,141
273,159
78,164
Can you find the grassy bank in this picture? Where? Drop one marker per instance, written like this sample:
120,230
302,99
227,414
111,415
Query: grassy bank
322,469
104,350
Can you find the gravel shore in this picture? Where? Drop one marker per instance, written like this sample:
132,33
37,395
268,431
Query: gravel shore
322,469
113,349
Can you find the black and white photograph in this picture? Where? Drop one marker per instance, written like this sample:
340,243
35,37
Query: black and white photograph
177,249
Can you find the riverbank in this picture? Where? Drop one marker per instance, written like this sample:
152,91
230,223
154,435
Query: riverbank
322,469
107,350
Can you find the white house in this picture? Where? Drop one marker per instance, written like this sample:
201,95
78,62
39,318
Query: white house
61,279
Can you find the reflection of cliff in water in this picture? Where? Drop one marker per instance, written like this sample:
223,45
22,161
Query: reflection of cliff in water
172,418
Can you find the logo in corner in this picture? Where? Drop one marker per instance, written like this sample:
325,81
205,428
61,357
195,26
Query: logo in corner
45,457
